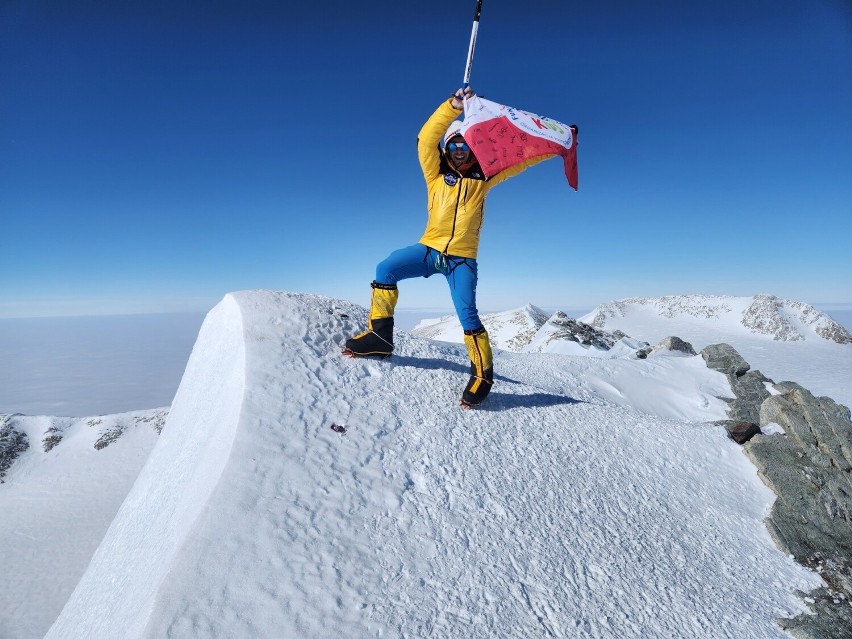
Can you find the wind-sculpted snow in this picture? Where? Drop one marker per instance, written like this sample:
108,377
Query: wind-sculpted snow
552,511
115,595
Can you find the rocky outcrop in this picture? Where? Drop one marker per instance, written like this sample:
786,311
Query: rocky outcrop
674,344
53,431
12,443
749,388
560,327
809,467
807,463
725,359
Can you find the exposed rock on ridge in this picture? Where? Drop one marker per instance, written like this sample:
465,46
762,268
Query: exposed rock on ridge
703,306
809,468
560,327
16,431
769,315
673,343
12,443
748,386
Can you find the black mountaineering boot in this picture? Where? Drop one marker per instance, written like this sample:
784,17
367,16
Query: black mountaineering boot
481,368
378,338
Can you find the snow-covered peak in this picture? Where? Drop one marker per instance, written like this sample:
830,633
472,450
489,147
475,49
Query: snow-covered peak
565,335
532,330
510,330
787,320
253,517
765,315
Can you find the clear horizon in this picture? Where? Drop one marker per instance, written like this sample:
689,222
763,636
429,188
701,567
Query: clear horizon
826,307
156,156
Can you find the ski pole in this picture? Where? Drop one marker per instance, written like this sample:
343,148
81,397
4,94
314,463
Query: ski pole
472,46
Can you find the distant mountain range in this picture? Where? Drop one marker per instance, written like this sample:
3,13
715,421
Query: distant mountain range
531,329
767,315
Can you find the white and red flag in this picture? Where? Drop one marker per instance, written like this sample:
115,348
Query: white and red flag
502,137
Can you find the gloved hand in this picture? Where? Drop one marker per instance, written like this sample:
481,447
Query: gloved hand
459,97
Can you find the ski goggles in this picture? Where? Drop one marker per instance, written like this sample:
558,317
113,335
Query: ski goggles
456,146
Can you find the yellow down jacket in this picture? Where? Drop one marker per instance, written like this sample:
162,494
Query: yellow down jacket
456,202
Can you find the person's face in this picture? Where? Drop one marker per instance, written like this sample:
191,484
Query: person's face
458,151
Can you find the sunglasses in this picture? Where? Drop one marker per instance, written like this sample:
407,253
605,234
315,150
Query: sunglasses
455,146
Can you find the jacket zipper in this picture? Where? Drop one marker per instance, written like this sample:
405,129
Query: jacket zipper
455,217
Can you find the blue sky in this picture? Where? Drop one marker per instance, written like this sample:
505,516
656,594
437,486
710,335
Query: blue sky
156,155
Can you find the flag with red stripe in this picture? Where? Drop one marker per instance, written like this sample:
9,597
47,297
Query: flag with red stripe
502,137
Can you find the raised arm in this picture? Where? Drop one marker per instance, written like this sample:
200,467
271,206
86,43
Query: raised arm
433,131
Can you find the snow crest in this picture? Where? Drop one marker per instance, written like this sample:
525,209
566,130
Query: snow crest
161,510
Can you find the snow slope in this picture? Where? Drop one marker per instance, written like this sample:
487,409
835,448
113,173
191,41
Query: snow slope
56,504
551,511
785,340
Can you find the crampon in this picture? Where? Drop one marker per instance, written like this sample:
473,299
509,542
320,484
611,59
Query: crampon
353,355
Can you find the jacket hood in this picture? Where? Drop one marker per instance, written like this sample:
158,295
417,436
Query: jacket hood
453,130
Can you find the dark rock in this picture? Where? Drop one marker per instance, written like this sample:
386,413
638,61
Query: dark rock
749,387
750,392
570,329
108,437
725,359
12,443
51,441
809,468
741,432
156,420
561,327
674,344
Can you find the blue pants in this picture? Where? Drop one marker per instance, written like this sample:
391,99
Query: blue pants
418,260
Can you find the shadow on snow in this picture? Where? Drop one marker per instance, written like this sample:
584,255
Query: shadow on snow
496,400
506,401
